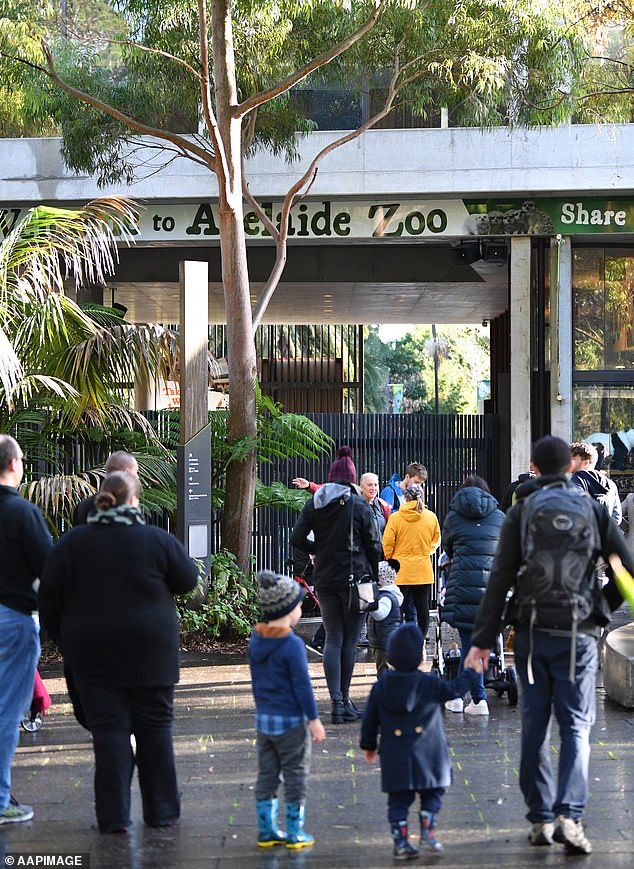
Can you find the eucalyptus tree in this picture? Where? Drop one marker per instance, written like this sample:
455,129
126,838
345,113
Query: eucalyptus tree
62,368
228,68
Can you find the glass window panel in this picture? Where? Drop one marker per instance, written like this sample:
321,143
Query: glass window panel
619,293
588,309
605,414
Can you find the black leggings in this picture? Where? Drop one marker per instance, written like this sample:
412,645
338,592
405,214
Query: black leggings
419,594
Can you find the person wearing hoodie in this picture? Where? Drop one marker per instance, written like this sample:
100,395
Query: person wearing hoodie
384,615
411,536
597,484
404,708
286,716
337,515
470,536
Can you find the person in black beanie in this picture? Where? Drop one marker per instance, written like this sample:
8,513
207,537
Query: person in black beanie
405,708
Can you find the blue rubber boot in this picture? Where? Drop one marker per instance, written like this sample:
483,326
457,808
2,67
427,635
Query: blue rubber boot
295,835
402,848
267,822
427,838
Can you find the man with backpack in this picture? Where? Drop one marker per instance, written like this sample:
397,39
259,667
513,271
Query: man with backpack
548,548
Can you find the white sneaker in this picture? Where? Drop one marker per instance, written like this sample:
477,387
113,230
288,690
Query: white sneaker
480,708
456,705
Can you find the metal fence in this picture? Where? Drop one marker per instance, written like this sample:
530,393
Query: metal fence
450,447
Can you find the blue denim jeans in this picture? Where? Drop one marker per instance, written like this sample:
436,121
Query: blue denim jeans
574,705
477,693
19,653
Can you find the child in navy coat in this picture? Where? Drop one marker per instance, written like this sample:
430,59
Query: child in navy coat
405,708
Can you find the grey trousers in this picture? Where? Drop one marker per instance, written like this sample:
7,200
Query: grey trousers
288,757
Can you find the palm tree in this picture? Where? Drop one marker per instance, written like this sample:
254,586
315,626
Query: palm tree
65,372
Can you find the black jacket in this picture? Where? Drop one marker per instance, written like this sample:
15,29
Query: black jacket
327,514
508,560
24,544
106,600
470,537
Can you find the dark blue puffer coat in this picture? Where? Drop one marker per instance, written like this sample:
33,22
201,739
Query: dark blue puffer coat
469,537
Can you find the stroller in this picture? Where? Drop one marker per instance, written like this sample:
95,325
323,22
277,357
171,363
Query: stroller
301,567
34,716
498,677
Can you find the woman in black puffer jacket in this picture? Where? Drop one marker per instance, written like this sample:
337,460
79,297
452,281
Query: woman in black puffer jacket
470,537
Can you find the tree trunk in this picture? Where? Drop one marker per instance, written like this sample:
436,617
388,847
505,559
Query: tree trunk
240,487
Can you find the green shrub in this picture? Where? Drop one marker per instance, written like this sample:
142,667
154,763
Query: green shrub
230,609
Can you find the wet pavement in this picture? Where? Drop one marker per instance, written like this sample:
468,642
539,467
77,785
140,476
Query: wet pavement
481,824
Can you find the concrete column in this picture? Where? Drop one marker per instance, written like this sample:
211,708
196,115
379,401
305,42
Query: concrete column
561,342
521,318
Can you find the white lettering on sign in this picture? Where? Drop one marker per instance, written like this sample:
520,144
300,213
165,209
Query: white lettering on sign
574,213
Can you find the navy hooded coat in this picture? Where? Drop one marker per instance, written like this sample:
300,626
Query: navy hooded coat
470,537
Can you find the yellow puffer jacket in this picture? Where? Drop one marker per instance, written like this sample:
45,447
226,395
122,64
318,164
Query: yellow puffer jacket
411,537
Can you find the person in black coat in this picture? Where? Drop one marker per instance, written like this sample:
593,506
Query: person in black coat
470,538
405,709
331,514
106,598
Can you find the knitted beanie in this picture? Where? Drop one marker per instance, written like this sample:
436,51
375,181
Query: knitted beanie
279,595
342,469
388,570
405,647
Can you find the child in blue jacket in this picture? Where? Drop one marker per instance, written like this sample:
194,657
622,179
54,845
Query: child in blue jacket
286,714
405,708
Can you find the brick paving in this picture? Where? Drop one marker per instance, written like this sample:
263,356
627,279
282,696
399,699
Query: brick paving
481,824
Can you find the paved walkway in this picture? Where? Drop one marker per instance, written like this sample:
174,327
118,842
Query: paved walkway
482,822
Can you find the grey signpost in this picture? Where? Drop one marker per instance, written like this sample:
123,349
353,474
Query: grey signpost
194,451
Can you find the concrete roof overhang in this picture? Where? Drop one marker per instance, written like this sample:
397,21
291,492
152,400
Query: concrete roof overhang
380,283
361,282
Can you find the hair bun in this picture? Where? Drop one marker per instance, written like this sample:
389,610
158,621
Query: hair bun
342,452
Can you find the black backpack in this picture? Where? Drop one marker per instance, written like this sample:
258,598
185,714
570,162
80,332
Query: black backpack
556,585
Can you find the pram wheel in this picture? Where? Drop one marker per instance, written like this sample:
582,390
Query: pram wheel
511,678
32,722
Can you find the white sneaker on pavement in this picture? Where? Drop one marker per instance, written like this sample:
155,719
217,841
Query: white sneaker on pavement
571,834
480,708
456,705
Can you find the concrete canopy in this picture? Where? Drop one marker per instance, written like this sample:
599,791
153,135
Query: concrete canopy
347,283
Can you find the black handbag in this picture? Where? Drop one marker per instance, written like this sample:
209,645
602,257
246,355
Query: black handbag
360,591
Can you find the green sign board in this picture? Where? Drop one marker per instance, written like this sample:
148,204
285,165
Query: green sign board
574,216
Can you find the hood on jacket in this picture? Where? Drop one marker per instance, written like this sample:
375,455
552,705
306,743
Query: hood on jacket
393,589
409,512
265,640
594,482
399,691
536,483
329,493
473,503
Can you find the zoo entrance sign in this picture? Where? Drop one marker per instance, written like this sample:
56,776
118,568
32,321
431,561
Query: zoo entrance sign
389,218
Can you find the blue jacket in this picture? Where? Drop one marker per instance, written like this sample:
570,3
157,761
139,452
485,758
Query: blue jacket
393,493
470,537
279,673
406,709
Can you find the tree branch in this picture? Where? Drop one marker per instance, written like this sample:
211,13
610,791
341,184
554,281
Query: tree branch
290,81
307,180
205,89
122,117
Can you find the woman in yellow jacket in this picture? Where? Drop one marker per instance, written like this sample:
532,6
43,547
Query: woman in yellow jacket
410,536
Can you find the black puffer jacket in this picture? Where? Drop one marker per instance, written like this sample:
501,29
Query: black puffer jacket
328,514
470,537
